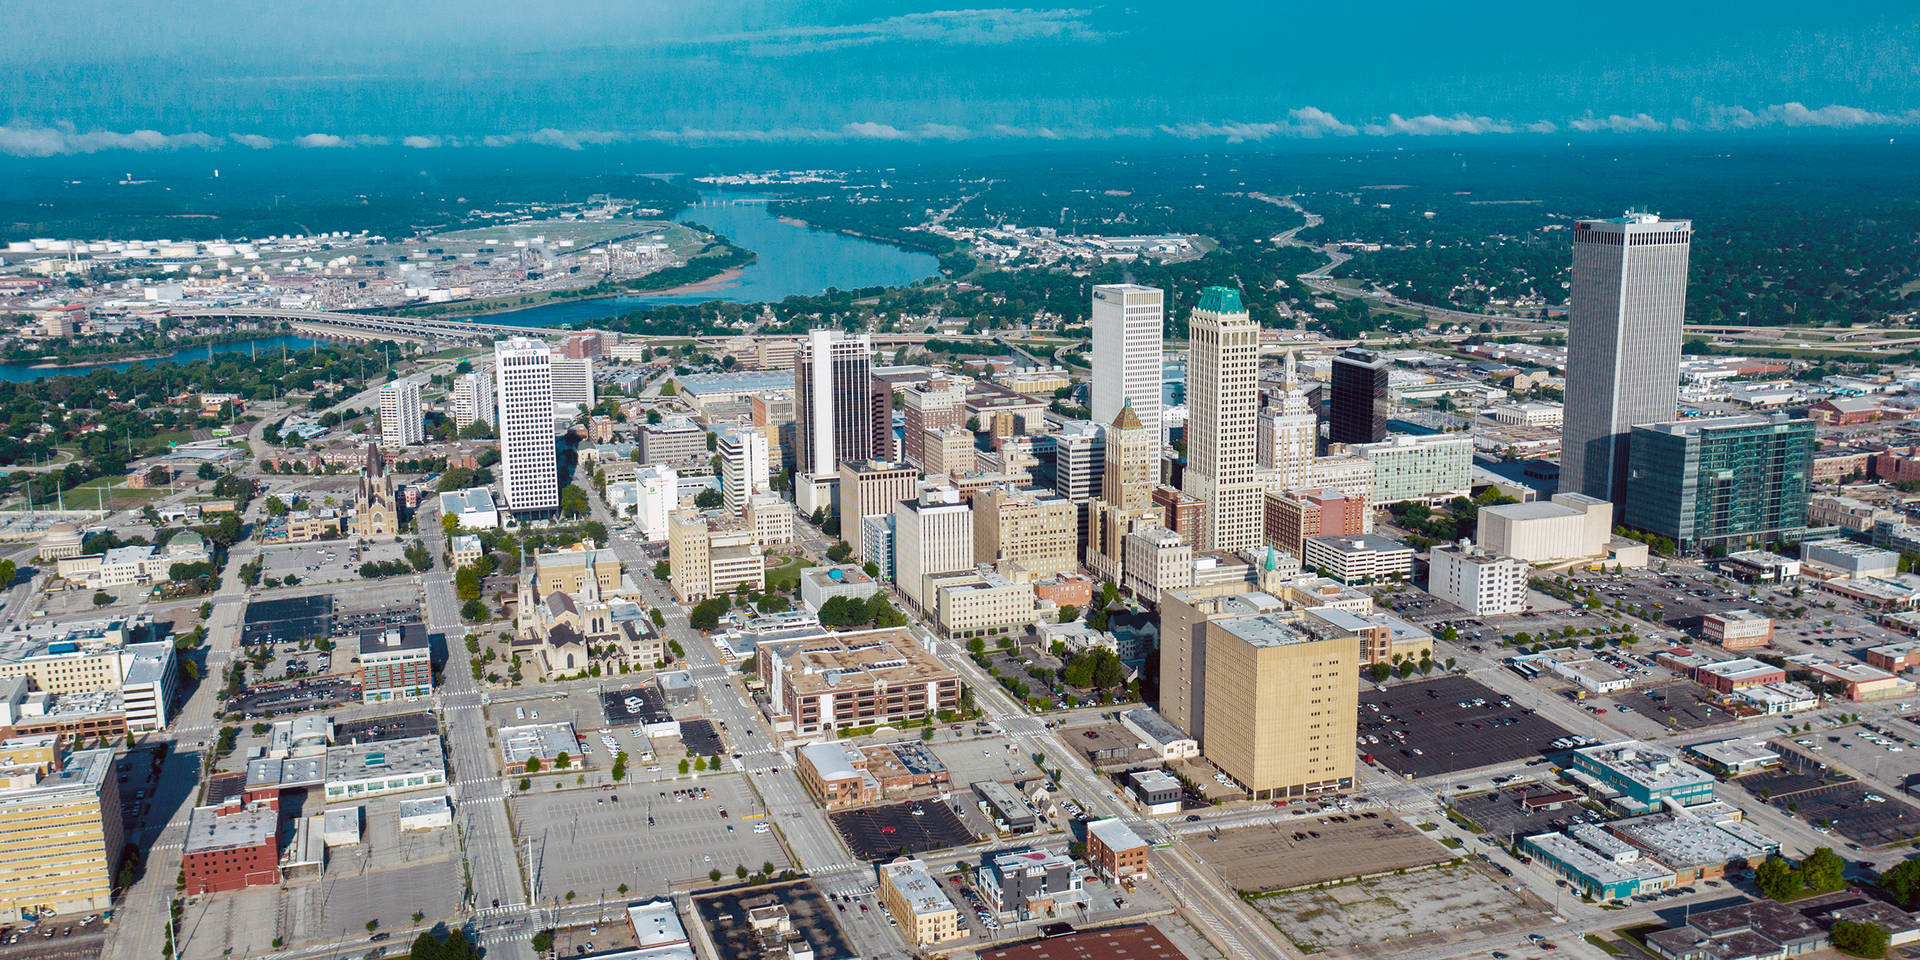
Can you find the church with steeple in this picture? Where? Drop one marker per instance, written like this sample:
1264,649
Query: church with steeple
376,510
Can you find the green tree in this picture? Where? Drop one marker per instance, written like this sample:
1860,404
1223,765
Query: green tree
1902,882
659,619
1069,613
1861,939
466,583
418,557
573,502
449,525
533,764
1379,672
685,765
1777,879
563,761
661,570
1823,870
707,613
709,499
473,610
839,552
101,598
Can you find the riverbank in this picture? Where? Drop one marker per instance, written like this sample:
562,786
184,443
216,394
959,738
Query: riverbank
103,361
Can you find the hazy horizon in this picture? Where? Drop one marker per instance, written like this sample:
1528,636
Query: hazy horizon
92,76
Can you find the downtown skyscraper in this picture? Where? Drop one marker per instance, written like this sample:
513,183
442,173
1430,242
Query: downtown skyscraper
1289,436
833,413
1628,301
1223,377
1362,397
529,457
401,415
1127,353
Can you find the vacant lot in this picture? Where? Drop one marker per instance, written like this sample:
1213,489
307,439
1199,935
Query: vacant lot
1448,903
1301,853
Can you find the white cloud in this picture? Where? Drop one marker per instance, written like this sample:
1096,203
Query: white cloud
252,140
992,27
1313,121
1542,126
38,141
1617,123
1430,125
422,143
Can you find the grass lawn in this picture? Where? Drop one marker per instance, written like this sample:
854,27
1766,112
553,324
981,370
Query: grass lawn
787,575
92,495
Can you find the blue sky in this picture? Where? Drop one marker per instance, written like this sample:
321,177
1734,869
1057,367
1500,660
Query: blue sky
89,76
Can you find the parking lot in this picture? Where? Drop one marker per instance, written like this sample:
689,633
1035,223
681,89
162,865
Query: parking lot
885,832
982,759
398,726
1299,853
1831,801
632,706
702,737
1500,814
589,842
1423,730
297,696
724,914
288,619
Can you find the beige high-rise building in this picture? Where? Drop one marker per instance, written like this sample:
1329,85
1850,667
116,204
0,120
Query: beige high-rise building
709,555
1280,701
1289,435
60,833
931,534
870,488
1157,559
1184,615
1223,383
1132,459
948,452
1037,529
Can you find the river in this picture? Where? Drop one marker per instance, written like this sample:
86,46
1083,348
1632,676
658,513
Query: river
25,373
792,259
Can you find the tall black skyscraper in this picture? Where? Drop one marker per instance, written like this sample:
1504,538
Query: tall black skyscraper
1361,398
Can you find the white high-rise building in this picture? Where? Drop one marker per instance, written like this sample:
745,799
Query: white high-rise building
657,495
473,398
572,384
401,422
1478,582
931,534
1290,435
1223,369
1127,353
1079,458
529,457
1624,314
743,467
833,413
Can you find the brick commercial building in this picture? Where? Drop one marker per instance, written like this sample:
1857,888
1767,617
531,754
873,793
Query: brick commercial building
231,850
1114,850
1737,629
1731,675
857,679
